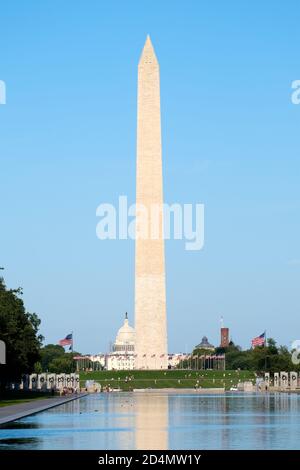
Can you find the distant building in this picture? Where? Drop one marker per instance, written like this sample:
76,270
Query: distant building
122,356
120,362
224,337
90,362
175,359
125,339
205,344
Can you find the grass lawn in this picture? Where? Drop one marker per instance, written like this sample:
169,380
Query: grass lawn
167,379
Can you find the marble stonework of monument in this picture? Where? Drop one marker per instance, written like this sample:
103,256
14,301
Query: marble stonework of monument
276,379
284,379
33,382
150,296
60,381
51,381
293,380
77,381
68,380
73,379
42,382
267,379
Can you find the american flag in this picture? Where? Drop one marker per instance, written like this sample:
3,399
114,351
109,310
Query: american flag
259,340
67,341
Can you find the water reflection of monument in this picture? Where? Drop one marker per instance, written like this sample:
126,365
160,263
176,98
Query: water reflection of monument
151,421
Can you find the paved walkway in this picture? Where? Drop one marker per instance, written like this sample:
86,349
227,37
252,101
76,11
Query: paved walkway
13,412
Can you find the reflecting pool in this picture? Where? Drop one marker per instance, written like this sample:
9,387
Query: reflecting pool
162,420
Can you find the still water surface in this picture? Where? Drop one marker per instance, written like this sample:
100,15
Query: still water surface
159,420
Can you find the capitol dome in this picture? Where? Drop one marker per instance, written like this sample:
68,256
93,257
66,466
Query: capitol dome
125,337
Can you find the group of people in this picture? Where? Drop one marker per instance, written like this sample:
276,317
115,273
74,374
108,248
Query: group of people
67,391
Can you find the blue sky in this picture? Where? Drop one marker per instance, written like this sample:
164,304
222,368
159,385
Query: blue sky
230,141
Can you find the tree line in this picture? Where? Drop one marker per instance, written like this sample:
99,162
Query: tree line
25,352
268,358
19,330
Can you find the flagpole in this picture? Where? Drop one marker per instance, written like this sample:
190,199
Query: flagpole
72,350
265,347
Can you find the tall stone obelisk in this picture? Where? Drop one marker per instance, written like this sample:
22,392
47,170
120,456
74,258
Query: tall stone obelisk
150,294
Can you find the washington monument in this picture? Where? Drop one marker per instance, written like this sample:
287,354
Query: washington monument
150,293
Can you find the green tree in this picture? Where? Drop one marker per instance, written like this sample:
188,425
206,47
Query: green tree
63,364
49,353
272,346
263,358
55,359
19,331
38,368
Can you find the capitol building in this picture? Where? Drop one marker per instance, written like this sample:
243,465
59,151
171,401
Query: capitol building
122,355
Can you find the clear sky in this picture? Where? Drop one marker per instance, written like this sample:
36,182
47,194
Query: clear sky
230,141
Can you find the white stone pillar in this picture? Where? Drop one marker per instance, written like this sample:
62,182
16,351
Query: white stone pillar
73,379
42,382
276,379
33,382
284,379
293,380
77,382
50,381
267,379
68,381
60,381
